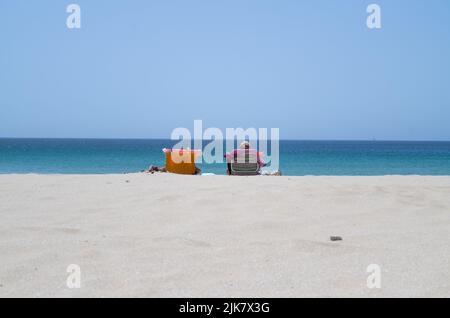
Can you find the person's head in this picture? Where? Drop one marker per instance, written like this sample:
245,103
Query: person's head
245,145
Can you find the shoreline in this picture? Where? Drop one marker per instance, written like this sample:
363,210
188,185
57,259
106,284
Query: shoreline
164,235
208,174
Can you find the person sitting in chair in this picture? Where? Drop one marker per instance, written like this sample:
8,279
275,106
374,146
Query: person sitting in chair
244,161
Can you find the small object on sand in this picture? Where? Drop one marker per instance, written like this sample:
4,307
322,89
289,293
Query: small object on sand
335,238
152,169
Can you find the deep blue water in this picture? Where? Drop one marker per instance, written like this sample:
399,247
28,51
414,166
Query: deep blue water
297,157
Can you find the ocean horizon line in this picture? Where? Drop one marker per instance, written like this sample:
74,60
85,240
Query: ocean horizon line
283,139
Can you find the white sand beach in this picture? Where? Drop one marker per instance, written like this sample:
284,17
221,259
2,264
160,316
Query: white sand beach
211,236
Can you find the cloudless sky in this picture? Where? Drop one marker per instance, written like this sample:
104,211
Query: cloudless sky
138,69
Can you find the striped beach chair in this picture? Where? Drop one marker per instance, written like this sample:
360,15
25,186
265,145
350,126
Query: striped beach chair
245,163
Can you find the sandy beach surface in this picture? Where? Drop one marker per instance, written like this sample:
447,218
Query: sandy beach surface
216,236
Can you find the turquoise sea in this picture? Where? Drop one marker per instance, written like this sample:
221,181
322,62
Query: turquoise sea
99,156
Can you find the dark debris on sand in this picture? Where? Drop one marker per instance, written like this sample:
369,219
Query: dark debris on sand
152,169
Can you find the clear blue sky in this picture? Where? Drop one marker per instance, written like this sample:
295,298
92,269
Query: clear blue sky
138,69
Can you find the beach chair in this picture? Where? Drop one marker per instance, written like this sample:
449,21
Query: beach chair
181,161
245,163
